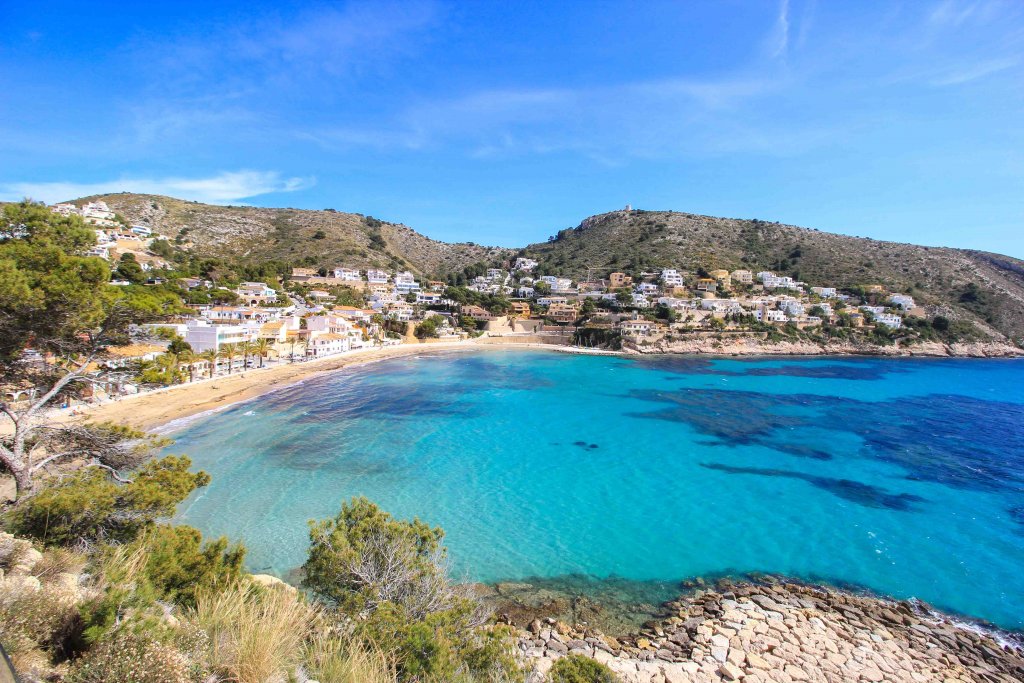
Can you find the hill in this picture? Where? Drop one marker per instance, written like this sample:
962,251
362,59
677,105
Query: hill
311,238
984,287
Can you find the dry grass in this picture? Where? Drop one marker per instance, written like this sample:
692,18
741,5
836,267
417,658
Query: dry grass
59,561
331,659
256,635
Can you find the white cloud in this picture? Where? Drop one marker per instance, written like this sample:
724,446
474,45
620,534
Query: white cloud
223,188
972,72
780,35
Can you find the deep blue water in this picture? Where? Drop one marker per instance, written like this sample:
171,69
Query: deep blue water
903,476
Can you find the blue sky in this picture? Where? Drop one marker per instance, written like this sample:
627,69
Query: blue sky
501,123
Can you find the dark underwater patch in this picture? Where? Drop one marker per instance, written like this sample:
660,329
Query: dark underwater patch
957,441
847,489
867,370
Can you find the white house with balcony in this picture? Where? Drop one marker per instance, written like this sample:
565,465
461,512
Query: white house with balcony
348,274
670,277
405,282
205,336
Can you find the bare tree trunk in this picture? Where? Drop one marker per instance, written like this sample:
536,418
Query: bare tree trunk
22,483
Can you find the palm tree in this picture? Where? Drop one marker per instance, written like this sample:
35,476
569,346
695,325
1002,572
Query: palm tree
262,347
168,362
230,352
293,342
246,349
189,358
211,358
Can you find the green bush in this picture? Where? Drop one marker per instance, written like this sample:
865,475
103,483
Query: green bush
88,506
389,576
179,564
579,669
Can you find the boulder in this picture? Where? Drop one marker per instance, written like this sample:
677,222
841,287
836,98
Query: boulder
730,672
272,582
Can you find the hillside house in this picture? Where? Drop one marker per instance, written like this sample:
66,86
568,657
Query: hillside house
562,313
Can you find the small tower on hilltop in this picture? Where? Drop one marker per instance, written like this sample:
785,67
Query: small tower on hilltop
629,207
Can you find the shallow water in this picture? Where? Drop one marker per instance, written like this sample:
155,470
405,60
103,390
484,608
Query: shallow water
903,476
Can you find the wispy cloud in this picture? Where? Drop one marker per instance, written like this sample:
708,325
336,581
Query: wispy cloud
223,188
972,72
779,41
608,124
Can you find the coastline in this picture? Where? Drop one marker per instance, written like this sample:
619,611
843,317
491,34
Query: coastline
167,409
777,629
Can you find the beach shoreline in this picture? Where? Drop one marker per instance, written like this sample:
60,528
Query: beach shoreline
168,409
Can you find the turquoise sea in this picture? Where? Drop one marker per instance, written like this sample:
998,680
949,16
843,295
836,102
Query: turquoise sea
902,476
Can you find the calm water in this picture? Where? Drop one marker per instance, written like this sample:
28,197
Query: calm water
902,476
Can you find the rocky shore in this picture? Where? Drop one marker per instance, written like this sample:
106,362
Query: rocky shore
754,346
784,631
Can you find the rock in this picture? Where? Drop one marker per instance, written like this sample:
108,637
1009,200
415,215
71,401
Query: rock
756,661
643,643
795,672
272,582
26,558
534,626
555,646
730,672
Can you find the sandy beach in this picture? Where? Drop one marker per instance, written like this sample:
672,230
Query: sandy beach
155,410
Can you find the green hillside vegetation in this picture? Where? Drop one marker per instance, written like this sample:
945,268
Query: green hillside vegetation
301,238
984,288
241,242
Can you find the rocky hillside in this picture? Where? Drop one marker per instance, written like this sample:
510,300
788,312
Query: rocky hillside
983,287
314,238
960,284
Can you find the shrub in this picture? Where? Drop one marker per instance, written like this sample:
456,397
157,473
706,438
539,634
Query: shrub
88,506
390,576
579,669
132,657
179,564
32,620
364,557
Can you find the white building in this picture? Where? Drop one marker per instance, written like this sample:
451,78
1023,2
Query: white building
142,231
324,344
526,264
794,309
204,336
64,209
256,292
742,277
349,274
374,276
405,283
824,292
557,284
525,292
890,320
670,277
904,301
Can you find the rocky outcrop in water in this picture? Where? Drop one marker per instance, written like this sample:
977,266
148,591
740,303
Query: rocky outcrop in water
785,631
